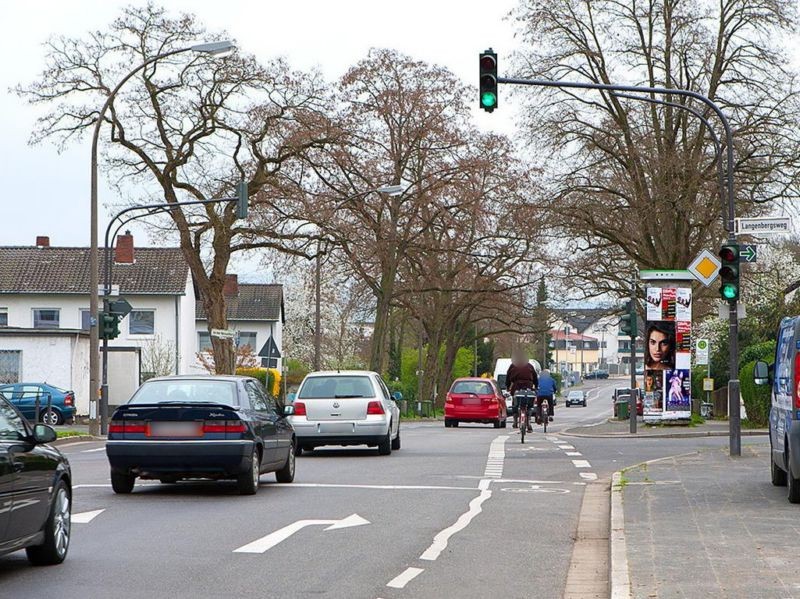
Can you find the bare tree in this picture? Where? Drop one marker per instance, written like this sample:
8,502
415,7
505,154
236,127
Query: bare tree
187,128
158,356
633,184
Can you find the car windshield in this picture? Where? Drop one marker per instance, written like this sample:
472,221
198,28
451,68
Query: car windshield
186,391
575,394
476,387
337,387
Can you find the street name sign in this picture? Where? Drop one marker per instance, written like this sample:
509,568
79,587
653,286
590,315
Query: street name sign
705,267
223,333
763,226
701,352
749,252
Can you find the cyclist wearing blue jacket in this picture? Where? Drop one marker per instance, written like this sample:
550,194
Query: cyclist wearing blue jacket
547,390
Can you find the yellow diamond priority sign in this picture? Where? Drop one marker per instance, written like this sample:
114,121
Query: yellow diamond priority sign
705,267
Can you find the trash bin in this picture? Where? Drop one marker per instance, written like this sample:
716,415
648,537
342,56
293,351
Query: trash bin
707,409
621,409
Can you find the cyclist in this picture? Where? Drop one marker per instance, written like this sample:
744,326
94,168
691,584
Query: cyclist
547,390
521,376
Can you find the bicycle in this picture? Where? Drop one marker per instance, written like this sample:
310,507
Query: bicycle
523,407
544,413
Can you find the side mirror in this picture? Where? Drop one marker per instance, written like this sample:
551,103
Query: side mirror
288,410
761,373
43,434
397,396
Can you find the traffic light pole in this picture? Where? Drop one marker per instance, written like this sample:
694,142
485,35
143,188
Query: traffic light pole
735,432
634,331
109,264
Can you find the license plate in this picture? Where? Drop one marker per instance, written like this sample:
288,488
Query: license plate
174,429
471,401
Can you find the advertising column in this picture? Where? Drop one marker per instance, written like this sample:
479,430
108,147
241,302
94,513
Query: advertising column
667,349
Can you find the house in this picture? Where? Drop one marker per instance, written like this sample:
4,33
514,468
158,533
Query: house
45,319
256,313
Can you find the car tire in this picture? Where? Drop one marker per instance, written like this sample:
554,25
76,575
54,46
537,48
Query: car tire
584,403
792,484
396,441
504,423
385,446
454,423
286,473
54,419
122,482
496,423
777,474
56,531
447,423
247,482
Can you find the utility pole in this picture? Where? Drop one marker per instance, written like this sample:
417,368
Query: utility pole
634,390
318,310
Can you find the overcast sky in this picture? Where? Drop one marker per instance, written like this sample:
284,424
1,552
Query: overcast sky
44,193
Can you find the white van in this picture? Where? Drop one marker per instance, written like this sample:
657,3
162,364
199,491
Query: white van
501,367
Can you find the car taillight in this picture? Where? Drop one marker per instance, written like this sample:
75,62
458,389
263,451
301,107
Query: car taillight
126,426
224,426
299,408
374,408
69,399
448,399
797,381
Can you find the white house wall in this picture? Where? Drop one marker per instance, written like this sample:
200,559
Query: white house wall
187,357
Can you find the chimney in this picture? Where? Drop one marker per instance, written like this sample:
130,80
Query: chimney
231,288
42,241
124,251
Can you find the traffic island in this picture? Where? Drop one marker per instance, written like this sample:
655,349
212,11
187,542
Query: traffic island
613,428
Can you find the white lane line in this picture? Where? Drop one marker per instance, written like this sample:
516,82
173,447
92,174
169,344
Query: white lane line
581,463
553,439
588,475
93,450
379,487
497,456
573,453
441,539
85,517
401,581
563,446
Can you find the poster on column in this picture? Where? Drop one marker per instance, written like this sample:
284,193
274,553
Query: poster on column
668,347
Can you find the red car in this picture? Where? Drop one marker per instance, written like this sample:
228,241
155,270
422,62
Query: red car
475,400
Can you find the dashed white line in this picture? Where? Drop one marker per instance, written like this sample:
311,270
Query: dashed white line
581,464
85,517
403,579
570,447
573,453
497,456
93,450
588,475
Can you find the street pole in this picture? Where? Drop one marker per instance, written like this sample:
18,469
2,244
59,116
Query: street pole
318,310
632,398
94,266
733,317
475,348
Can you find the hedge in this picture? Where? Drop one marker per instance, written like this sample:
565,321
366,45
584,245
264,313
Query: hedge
269,377
757,398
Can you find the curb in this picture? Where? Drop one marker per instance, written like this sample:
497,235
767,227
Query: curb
619,577
75,439
681,435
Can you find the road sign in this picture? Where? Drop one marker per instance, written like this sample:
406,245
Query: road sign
763,226
705,267
223,333
120,307
268,542
701,352
748,252
270,349
708,384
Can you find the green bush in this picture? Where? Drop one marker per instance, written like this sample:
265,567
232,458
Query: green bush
760,351
264,375
756,397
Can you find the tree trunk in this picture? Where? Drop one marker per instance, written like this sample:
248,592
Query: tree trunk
382,311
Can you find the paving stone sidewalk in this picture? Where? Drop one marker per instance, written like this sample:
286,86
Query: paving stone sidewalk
708,525
620,428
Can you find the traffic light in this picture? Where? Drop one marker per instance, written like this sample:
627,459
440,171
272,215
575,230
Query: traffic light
488,80
109,325
241,199
729,272
627,322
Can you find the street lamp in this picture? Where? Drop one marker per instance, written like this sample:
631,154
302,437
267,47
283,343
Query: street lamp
213,48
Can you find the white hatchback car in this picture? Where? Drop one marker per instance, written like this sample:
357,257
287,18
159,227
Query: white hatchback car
345,408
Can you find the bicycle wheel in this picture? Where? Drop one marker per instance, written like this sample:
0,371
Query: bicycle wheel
545,414
523,424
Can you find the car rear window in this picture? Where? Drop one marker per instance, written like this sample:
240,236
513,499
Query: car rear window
338,387
186,391
477,387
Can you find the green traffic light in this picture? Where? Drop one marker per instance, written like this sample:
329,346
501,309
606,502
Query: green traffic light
729,291
488,99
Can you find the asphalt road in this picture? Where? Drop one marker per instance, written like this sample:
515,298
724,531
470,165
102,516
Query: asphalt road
462,512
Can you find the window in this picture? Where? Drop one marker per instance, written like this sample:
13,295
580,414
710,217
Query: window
246,338
336,387
257,399
3,317
203,341
45,318
86,321
186,391
10,365
12,428
142,322
476,387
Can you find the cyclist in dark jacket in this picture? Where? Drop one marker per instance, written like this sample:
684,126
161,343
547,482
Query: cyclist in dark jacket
521,376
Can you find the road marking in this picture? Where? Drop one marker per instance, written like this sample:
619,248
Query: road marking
573,453
85,517
553,439
588,475
378,487
401,581
93,450
570,447
269,541
440,540
497,455
581,464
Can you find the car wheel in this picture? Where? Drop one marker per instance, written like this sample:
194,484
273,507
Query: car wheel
792,484
454,423
122,482
56,531
447,423
396,441
778,474
385,446
286,474
584,403
496,423
51,418
504,423
248,481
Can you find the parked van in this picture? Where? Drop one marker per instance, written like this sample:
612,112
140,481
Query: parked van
784,415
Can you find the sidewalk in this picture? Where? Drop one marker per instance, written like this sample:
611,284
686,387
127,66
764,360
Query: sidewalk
621,428
708,525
